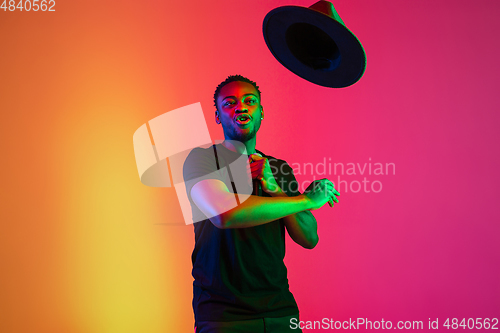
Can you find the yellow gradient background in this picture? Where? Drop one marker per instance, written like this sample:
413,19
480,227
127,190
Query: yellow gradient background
83,247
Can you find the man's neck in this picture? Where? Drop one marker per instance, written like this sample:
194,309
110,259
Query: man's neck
240,147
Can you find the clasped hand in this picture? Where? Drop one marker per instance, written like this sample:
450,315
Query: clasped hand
261,170
321,191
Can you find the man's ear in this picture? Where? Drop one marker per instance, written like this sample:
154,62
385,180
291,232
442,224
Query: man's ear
217,119
261,112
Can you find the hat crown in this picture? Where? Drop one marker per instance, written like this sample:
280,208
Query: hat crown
326,7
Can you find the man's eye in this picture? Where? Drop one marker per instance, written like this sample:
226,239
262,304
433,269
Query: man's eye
228,103
251,101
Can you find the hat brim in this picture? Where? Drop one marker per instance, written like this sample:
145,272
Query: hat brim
351,58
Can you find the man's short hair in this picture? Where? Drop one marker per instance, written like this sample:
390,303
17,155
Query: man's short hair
232,78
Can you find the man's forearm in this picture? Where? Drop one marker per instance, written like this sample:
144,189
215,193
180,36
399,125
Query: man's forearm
260,210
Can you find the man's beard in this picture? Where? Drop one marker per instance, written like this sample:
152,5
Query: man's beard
233,133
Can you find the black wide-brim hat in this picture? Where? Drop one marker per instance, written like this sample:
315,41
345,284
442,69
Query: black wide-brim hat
315,44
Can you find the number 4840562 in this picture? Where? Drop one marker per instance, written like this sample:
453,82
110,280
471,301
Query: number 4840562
29,5
470,323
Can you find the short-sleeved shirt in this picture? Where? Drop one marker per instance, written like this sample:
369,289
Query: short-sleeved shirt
239,274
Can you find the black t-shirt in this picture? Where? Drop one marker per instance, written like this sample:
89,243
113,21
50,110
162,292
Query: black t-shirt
239,274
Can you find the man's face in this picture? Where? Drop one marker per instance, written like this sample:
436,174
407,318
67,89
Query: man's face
240,111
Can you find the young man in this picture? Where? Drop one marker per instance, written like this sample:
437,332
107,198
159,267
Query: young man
240,280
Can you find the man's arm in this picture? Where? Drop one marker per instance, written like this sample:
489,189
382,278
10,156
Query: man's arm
302,227
214,199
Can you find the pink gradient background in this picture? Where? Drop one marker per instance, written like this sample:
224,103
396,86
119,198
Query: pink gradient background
83,247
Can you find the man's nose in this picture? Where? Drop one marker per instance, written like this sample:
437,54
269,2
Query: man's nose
241,108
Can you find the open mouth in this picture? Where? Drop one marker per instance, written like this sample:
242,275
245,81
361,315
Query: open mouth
243,119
